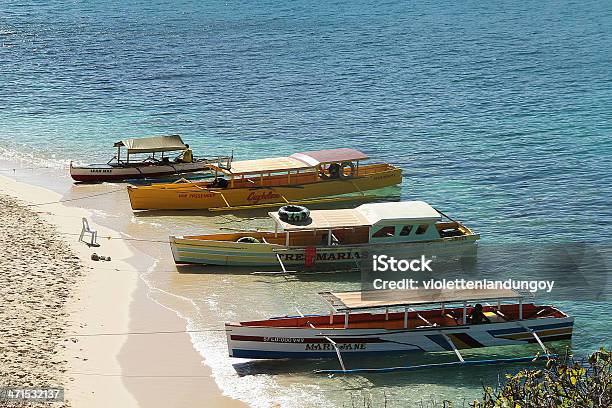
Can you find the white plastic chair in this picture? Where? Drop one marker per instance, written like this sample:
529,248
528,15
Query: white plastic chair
87,230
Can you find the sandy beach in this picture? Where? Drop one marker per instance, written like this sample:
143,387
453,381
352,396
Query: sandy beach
88,326
38,274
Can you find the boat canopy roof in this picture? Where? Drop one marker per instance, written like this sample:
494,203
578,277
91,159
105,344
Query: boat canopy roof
346,301
296,161
152,144
324,219
265,165
399,211
365,215
314,158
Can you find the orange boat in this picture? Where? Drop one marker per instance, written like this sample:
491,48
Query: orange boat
297,179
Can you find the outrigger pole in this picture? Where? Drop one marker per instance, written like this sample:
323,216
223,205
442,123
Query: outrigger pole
450,342
442,365
286,202
461,362
282,265
333,343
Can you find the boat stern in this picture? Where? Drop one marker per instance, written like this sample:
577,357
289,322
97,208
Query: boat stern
236,249
173,247
229,329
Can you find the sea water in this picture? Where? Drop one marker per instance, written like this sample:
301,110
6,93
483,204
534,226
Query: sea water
499,113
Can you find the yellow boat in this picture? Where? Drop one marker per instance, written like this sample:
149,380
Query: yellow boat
333,237
296,179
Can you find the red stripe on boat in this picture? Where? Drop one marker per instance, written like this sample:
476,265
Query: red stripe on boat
300,340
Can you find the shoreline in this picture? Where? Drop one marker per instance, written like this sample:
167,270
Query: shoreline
112,298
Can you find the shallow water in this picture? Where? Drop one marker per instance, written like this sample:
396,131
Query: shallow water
499,114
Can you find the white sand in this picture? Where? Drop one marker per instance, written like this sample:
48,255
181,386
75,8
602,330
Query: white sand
37,274
49,277
99,299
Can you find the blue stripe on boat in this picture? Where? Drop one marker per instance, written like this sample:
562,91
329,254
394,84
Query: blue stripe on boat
439,340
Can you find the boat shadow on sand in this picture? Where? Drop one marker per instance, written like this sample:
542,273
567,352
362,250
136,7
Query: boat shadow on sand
472,376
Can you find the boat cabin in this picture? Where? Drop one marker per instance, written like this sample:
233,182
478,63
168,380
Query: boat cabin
299,168
345,303
148,145
372,223
395,309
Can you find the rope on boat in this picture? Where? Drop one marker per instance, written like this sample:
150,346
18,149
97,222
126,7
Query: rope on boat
144,333
65,200
444,215
139,376
119,238
67,336
14,169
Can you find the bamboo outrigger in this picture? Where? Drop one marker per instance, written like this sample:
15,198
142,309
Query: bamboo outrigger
298,179
333,237
355,328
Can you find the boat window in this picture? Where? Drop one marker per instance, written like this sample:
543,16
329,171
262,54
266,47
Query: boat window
384,232
422,229
406,230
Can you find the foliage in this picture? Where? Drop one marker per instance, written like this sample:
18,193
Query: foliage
559,385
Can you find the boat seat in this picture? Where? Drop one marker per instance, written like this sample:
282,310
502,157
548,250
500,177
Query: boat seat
495,317
452,320
545,313
93,235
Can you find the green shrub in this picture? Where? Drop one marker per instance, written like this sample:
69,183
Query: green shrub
559,385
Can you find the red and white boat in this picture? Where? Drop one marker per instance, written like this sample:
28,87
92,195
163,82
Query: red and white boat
352,329
117,169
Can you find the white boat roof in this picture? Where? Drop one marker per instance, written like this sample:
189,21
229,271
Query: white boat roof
264,165
365,215
398,211
345,301
297,161
316,157
324,219
153,144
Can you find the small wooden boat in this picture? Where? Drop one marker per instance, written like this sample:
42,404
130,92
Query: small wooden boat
117,169
354,327
299,178
332,237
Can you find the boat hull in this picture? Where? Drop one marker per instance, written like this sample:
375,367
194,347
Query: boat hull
287,342
195,197
228,253
105,172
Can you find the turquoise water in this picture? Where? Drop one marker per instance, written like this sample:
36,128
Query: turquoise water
500,113
500,110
